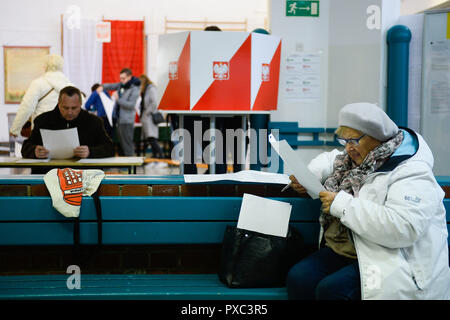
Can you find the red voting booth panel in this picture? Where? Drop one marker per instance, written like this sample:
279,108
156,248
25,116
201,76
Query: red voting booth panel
176,95
210,71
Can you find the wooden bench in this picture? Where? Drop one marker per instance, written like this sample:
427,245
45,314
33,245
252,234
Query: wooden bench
159,213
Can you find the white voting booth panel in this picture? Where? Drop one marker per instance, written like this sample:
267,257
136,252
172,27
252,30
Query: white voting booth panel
218,71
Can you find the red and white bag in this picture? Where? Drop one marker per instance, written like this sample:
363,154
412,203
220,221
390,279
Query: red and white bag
67,187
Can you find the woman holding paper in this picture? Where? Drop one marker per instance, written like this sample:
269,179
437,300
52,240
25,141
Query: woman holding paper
383,227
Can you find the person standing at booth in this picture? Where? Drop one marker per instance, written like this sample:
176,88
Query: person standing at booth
126,94
148,106
221,124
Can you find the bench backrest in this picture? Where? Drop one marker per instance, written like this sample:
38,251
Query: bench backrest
143,210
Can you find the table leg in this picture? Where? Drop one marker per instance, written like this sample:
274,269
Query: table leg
244,141
181,125
212,126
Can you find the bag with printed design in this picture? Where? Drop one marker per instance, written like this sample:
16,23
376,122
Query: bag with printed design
67,188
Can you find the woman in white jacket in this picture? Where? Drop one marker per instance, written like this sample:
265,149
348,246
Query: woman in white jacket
383,227
42,94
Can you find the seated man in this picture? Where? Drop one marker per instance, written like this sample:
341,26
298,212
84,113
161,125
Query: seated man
94,142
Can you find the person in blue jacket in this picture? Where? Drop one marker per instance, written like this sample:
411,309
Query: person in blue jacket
94,103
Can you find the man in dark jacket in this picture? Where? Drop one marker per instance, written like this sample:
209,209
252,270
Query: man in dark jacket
94,142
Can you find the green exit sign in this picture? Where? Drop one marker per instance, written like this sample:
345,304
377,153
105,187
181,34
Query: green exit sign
302,8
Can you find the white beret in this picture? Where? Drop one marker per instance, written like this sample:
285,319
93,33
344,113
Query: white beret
369,119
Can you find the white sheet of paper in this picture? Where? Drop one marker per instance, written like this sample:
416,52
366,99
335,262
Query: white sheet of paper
242,176
113,160
17,149
27,160
264,215
294,162
60,142
108,105
8,159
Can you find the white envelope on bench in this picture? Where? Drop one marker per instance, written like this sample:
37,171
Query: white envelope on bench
264,215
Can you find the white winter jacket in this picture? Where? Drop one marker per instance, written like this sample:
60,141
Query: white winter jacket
397,223
38,89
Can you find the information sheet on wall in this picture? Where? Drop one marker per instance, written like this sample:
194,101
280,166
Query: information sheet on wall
302,76
435,110
439,76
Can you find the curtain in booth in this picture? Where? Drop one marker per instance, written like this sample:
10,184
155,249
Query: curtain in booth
82,55
126,50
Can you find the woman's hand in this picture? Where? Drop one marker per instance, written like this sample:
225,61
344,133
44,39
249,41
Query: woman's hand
327,198
296,186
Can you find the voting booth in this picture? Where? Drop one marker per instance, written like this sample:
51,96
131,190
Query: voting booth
225,72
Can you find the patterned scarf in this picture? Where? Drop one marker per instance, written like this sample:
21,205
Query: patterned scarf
348,176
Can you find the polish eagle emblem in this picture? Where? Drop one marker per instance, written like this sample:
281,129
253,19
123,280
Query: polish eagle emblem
265,76
173,70
221,70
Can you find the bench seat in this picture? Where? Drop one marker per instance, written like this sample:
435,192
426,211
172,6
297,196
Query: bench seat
138,211
114,286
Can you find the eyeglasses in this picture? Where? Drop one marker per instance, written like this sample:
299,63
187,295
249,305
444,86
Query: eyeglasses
352,141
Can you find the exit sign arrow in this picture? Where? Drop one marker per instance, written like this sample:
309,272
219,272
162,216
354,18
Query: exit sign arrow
302,8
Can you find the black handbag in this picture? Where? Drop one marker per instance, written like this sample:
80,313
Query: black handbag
157,117
251,259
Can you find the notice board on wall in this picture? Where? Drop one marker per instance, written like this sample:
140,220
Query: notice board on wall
435,109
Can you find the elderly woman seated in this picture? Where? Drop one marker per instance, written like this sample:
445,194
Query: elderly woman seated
383,227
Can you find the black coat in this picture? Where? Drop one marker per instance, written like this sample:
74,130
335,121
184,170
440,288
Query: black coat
91,133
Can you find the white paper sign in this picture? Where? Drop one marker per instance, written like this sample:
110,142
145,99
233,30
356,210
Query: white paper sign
302,76
60,143
264,215
103,31
304,176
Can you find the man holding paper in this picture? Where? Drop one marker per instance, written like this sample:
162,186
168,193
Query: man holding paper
92,137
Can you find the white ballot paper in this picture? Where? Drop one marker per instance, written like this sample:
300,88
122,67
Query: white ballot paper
118,160
60,143
17,149
264,215
28,160
299,169
242,176
108,105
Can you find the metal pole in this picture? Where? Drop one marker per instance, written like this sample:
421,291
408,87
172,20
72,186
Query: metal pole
244,141
212,126
181,125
